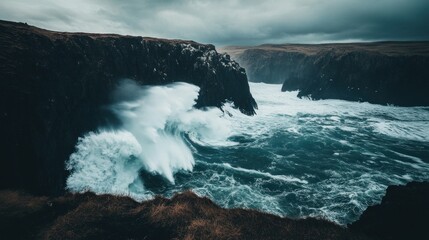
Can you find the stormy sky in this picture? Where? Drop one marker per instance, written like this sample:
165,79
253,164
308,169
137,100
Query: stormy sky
232,22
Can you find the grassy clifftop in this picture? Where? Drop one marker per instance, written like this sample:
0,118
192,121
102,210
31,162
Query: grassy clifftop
185,216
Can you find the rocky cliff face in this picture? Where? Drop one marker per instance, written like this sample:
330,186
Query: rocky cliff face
384,73
54,86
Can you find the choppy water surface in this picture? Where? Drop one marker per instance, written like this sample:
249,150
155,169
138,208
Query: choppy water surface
295,158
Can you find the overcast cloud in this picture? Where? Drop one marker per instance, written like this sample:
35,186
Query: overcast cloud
233,22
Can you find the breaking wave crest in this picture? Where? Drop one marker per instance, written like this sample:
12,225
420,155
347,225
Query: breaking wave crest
152,138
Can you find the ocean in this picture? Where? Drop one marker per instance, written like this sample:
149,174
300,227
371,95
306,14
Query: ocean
328,159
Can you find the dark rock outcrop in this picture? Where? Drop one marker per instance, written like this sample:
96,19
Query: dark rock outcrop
402,214
383,72
185,216
54,86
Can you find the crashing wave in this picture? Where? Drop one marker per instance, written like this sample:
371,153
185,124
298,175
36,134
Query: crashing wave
151,138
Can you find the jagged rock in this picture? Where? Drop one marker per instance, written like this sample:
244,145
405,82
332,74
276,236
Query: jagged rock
54,86
383,73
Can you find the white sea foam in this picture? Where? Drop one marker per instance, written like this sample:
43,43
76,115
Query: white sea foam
265,174
151,138
230,192
105,162
411,124
413,165
417,131
415,159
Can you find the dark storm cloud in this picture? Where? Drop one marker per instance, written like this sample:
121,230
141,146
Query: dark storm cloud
226,22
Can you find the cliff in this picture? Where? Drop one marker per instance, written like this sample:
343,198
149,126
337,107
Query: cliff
382,72
402,214
54,86
185,216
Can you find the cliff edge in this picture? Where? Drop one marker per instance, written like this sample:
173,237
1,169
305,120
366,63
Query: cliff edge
402,214
382,72
185,216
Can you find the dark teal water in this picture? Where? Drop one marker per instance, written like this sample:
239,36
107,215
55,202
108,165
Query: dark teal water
330,159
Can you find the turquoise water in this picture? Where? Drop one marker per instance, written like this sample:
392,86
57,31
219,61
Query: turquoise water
297,158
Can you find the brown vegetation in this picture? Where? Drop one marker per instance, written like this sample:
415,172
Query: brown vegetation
185,216
384,48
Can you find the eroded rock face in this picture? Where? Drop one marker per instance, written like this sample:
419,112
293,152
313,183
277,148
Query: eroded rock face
402,214
54,86
384,73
